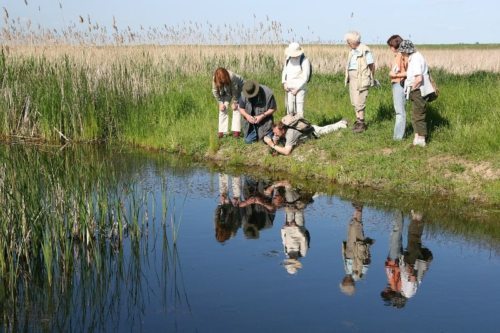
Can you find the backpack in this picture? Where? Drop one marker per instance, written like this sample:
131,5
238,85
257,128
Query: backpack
433,95
302,57
300,124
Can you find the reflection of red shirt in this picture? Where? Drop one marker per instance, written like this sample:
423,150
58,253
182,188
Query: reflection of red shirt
393,274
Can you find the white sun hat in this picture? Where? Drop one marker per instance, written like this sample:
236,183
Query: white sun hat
294,50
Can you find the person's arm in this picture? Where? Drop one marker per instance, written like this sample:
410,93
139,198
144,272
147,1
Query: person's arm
282,150
217,96
419,62
237,82
283,77
215,92
372,69
259,118
271,108
417,83
245,114
306,70
247,202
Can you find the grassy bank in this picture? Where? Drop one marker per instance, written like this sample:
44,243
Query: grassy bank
153,98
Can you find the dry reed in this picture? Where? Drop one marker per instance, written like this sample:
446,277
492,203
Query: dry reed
193,59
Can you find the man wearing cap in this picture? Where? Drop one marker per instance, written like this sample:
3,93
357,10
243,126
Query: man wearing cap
294,78
257,105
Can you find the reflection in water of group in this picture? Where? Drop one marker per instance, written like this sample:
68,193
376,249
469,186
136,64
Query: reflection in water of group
252,205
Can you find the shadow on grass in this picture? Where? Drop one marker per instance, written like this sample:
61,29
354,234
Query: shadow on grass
433,118
324,120
385,111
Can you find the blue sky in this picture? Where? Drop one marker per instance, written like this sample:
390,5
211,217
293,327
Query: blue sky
423,21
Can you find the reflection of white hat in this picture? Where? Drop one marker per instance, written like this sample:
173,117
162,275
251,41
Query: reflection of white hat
292,266
294,50
348,289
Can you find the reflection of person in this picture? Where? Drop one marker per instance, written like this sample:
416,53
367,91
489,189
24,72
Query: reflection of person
293,136
360,73
227,213
392,293
294,235
355,252
257,210
416,259
257,106
398,76
417,85
405,270
294,78
226,88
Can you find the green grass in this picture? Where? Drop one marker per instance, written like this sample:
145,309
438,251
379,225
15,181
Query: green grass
138,104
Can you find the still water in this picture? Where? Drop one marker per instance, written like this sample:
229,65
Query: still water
232,253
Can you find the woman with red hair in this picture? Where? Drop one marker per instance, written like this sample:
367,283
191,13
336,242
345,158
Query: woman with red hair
226,87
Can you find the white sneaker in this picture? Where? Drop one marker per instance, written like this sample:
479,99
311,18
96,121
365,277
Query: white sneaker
420,141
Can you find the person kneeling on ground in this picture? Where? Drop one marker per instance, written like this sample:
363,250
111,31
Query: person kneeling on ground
293,134
257,105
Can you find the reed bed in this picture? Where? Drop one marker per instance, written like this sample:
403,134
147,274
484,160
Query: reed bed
62,222
191,59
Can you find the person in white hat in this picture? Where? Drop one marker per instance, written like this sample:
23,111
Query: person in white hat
295,75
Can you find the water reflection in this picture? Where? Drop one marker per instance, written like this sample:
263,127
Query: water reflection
91,246
227,212
294,234
405,269
257,208
355,252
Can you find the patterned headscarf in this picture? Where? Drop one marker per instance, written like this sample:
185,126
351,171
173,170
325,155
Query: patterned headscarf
406,46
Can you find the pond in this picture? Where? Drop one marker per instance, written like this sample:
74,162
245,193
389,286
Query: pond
103,240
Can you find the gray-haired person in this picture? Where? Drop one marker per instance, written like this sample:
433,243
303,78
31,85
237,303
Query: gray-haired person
359,74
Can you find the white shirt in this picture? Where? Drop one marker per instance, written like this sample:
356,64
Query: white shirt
416,66
294,74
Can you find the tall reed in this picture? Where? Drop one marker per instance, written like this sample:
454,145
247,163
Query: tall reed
66,214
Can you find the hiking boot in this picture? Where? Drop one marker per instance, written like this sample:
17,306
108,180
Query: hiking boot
359,126
236,134
220,135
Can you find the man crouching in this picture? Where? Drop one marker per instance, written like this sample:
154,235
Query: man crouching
293,130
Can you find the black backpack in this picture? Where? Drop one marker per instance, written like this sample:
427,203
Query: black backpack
302,57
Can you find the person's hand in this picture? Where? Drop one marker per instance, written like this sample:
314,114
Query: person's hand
259,118
250,119
285,86
235,106
294,91
222,107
